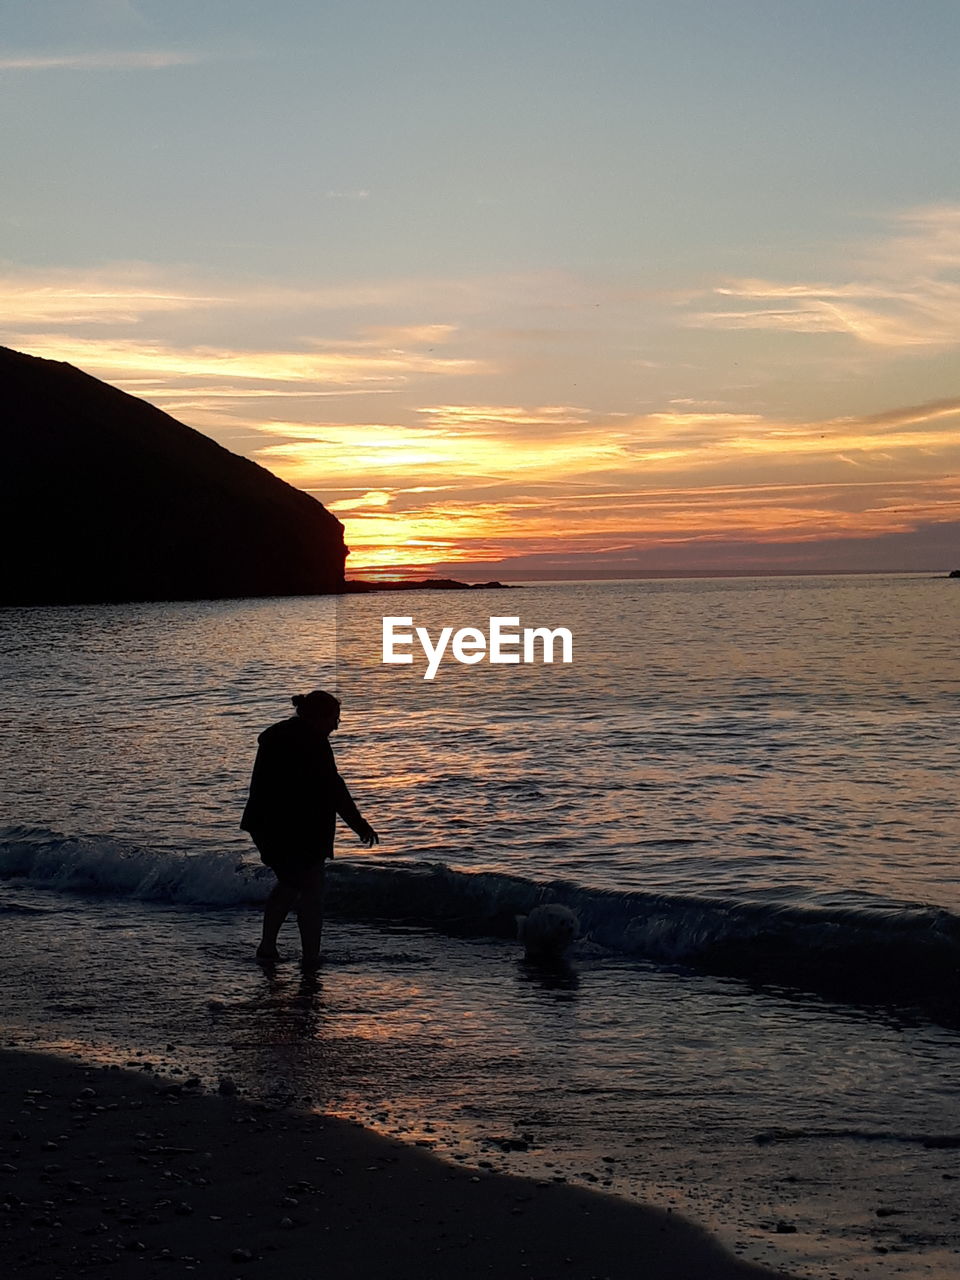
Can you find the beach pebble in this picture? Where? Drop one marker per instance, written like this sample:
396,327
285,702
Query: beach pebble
785,1229
510,1144
226,1086
241,1255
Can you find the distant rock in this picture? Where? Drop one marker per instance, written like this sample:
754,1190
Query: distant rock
104,497
954,573
424,584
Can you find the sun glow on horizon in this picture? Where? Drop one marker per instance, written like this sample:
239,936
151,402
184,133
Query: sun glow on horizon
441,440
580,485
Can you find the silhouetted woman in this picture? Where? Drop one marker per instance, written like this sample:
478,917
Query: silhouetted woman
291,814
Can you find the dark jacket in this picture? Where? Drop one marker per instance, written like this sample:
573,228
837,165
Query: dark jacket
296,791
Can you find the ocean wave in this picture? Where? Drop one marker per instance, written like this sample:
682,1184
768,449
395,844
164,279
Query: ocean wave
881,951
92,864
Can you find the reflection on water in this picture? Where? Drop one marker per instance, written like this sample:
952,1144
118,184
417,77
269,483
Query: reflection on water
795,737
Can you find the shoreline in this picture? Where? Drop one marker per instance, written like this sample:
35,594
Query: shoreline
394,1038
105,1167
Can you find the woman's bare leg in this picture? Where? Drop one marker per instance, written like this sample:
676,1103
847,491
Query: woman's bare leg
310,913
277,907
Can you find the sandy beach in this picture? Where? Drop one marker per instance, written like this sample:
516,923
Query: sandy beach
125,1173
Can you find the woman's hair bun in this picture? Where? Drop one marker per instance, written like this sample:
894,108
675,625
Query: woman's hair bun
316,703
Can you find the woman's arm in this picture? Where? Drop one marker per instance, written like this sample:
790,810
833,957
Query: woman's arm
348,811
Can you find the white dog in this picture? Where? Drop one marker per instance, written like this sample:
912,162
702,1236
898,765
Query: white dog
547,931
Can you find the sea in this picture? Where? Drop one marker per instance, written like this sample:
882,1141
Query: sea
745,788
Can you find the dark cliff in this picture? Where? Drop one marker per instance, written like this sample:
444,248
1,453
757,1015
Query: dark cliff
103,497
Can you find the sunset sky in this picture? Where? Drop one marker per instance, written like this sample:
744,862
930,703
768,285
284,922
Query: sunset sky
521,288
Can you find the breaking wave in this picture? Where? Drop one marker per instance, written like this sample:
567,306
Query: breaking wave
884,951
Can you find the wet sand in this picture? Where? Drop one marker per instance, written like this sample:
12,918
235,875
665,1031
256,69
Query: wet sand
121,1173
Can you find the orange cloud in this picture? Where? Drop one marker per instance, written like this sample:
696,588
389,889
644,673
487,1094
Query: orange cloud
111,358
496,494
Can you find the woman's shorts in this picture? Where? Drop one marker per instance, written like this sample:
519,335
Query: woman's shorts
291,858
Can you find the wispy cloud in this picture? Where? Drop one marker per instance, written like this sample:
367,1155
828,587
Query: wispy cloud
372,499
131,292
412,309
921,241
416,335
113,358
125,295
903,292
544,421
102,60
